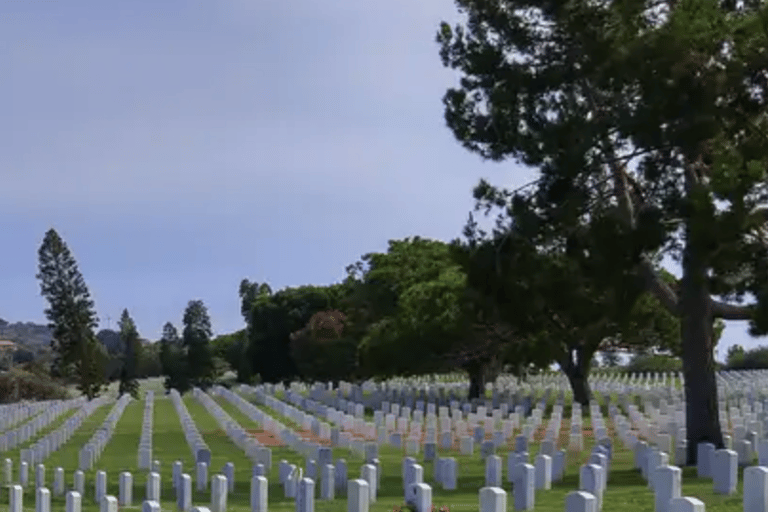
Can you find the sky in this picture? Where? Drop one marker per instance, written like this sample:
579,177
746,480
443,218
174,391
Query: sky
179,147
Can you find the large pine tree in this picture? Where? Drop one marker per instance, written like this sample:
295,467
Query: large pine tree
647,117
131,347
71,316
196,337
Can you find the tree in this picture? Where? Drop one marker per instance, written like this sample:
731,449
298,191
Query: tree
322,350
417,302
735,355
71,316
561,299
274,317
196,338
648,116
130,356
173,360
249,292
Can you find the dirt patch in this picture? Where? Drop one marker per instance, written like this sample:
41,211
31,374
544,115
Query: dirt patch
270,440
261,436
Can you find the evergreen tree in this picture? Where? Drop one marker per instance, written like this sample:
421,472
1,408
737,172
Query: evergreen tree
646,120
196,338
131,348
173,360
71,316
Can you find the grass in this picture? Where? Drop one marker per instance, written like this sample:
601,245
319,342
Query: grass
625,489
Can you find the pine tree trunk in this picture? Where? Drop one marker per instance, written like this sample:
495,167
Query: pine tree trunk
702,418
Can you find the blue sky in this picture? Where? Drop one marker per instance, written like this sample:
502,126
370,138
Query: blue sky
179,147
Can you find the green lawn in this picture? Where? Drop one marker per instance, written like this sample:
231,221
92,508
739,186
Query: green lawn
626,488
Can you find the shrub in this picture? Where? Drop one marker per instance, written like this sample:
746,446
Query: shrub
30,384
654,363
756,359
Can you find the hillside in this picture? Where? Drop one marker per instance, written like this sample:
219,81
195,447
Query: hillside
36,337
28,334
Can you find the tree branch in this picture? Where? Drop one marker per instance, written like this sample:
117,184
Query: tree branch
732,311
628,208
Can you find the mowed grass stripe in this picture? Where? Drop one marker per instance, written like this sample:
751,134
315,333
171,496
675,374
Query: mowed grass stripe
121,451
168,446
68,456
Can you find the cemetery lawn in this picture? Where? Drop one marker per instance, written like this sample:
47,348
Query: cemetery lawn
626,489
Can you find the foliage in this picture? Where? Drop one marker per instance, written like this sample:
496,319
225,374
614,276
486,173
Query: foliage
644,122
273,318
149,361
231,348
653,363
196,338
173,360
130,356
30,384
322,350
71,316
413,297
560,299
249,292
91,370
740,359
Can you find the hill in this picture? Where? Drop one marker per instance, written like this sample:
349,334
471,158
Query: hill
29,334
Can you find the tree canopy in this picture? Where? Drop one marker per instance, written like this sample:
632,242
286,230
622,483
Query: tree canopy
646,121
71,315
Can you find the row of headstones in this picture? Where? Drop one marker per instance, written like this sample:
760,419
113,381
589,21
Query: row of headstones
41,449
252,448
145,441
488,448
125,494
340,439
23,433
357,392
286,435
352,422
199,448
503,381
234,431
466,444
253,413
182,483
525,477
91,451
540,476
665,480
386,419
286,410
491,499
295,442
12,414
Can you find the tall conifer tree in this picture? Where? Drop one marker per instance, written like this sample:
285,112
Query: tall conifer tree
71,316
